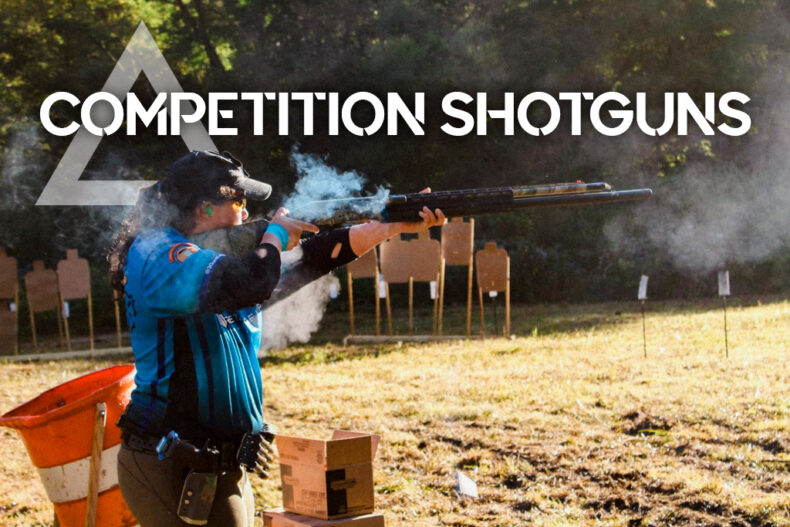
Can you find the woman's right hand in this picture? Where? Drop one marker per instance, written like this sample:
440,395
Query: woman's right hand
292,226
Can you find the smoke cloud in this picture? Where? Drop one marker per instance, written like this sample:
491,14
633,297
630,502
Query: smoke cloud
320,184
298,316
713,214
21,165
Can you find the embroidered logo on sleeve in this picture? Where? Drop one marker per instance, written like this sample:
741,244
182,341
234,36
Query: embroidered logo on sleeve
181,251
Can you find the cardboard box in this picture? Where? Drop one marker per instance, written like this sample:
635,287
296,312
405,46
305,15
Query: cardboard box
328,479
279,518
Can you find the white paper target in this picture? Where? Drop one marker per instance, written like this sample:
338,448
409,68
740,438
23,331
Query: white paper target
642,294
724,283
382,289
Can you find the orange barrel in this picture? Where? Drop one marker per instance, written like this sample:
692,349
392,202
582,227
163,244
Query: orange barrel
56,428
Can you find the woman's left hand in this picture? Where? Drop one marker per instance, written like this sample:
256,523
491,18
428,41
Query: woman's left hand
430,218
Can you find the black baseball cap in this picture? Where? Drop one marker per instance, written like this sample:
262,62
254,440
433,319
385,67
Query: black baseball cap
211,176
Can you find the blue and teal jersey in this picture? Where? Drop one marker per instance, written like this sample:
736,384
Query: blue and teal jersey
192,367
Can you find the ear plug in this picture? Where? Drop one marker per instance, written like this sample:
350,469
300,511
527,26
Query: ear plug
209,211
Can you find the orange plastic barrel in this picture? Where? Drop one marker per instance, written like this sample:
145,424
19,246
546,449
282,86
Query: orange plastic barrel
57,428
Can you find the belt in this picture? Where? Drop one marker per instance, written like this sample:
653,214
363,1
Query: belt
145,444
210,456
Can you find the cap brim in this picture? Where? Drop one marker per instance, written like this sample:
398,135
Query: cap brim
254,189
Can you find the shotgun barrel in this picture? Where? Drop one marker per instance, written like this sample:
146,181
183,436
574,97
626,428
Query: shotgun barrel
406,207
470,202
241,239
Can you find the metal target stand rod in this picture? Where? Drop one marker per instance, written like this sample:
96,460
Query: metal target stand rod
726,340
496,319
641,295
724,292
644,331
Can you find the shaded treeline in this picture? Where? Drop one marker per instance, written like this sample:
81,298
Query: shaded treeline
436,47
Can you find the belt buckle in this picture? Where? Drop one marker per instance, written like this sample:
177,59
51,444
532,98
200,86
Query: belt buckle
166,445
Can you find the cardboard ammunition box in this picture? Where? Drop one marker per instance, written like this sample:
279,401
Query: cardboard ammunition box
278,518
328,479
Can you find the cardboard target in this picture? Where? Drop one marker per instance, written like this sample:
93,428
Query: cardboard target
396,264
9,308
366,266
9,328
425,256
74,280
403,262
493,268
458,240
493,274
8,275
74,276
41,286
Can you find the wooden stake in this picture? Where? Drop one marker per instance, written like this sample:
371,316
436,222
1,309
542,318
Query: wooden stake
437,316
350,302
496,319
411,305
482,315
90,318
65,322
507,307
435,324
376,294
59,315
440,296
469,296
16,313
389,307
95,464
33,329
117,319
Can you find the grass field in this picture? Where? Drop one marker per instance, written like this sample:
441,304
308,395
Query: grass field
566,424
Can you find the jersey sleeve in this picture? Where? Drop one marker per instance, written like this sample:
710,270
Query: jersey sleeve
175,275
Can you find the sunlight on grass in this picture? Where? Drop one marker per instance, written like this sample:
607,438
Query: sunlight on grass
565,425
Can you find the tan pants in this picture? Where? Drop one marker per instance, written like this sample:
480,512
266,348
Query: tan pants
152,487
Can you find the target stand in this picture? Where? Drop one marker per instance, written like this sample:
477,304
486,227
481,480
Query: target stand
9,305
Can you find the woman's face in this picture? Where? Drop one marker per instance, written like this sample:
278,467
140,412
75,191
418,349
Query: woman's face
211,216
229,213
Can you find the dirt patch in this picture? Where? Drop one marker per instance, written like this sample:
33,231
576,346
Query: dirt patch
618,503
775,446
642,423
514,481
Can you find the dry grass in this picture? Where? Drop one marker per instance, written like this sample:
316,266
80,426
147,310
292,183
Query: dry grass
567,426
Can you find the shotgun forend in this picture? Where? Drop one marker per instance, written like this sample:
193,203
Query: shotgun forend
470,202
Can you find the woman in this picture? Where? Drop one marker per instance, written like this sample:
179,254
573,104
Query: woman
195,421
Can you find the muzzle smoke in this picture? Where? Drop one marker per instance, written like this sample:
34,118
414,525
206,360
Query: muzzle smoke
319,185
298,316
715,214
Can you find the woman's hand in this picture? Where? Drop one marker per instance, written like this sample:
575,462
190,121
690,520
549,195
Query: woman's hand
429,219
292,226
367,235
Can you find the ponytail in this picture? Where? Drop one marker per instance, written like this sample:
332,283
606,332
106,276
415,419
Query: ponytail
152,210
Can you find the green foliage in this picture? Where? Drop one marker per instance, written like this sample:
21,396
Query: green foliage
434,46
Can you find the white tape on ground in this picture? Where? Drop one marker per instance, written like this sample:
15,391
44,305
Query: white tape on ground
69,482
